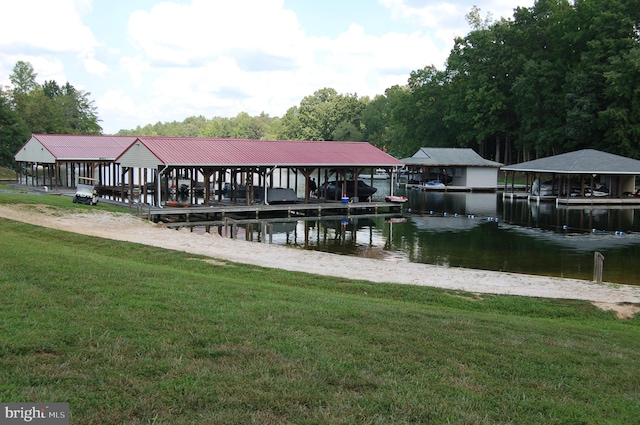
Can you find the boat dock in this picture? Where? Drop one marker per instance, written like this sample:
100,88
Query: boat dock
577,202
218,212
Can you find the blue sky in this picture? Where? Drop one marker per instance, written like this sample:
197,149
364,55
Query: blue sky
146,61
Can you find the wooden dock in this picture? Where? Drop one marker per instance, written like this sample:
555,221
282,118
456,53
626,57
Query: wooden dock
575,202
604,201
218,212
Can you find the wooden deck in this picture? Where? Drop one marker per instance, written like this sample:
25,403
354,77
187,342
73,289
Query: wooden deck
220,210
630,201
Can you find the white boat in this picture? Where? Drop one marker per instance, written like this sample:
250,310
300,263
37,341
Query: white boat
434,183
380,174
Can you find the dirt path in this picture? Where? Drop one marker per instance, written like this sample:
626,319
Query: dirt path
124,227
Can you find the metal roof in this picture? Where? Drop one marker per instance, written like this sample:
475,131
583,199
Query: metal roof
72,147
245,152
448,157
586,161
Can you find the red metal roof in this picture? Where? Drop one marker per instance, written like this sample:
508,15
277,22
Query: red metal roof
245,152
84,147
183,151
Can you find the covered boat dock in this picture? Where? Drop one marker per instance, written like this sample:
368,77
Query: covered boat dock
451,170
181,176
580,178
206,171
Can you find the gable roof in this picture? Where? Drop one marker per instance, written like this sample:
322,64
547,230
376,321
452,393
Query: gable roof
449,157
245,152
586,161
73,147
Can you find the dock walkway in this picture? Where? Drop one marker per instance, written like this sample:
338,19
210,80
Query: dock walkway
221,210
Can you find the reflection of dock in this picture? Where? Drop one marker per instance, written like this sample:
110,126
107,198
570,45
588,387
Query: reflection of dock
438,224
266,228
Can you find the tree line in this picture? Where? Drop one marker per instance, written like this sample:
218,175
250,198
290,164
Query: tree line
556,77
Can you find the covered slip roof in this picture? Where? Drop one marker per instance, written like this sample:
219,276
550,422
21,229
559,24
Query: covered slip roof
586,161
67,147
449,157
187,152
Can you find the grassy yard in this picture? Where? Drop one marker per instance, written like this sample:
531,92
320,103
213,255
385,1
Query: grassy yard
6,173
130,334
52,202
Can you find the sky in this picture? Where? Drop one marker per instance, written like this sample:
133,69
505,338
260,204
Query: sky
149,61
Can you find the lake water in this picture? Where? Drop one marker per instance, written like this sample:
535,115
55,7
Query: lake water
479,231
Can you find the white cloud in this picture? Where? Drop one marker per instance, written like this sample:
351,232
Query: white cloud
136,68
116,106
92,65
45,26
186,35
44,33
220,58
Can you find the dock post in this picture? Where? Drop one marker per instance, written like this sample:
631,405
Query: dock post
598,266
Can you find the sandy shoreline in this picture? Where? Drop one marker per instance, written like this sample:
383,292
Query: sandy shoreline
125,227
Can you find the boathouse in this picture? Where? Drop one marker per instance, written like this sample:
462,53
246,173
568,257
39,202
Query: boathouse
452,168
215,167
152,169
583,177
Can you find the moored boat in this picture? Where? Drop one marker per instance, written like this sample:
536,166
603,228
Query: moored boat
396,199
328,190
434,183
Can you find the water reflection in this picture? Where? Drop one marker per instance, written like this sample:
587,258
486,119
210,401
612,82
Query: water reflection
478,231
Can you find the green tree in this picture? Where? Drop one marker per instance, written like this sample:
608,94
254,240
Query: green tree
51,108
484,67
23,78
621,118
326,115
12,132
424,113
290,126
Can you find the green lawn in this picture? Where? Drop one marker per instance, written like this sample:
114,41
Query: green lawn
6,173
130,334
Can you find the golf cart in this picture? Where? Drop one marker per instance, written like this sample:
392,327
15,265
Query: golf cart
86,193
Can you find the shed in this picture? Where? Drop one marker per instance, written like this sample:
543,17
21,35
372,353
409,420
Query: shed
457,167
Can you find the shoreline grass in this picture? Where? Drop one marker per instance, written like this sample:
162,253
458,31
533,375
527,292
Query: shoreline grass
132,334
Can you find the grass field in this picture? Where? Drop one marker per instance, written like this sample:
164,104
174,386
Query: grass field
130,334
7,173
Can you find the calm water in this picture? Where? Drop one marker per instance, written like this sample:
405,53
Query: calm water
479,231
